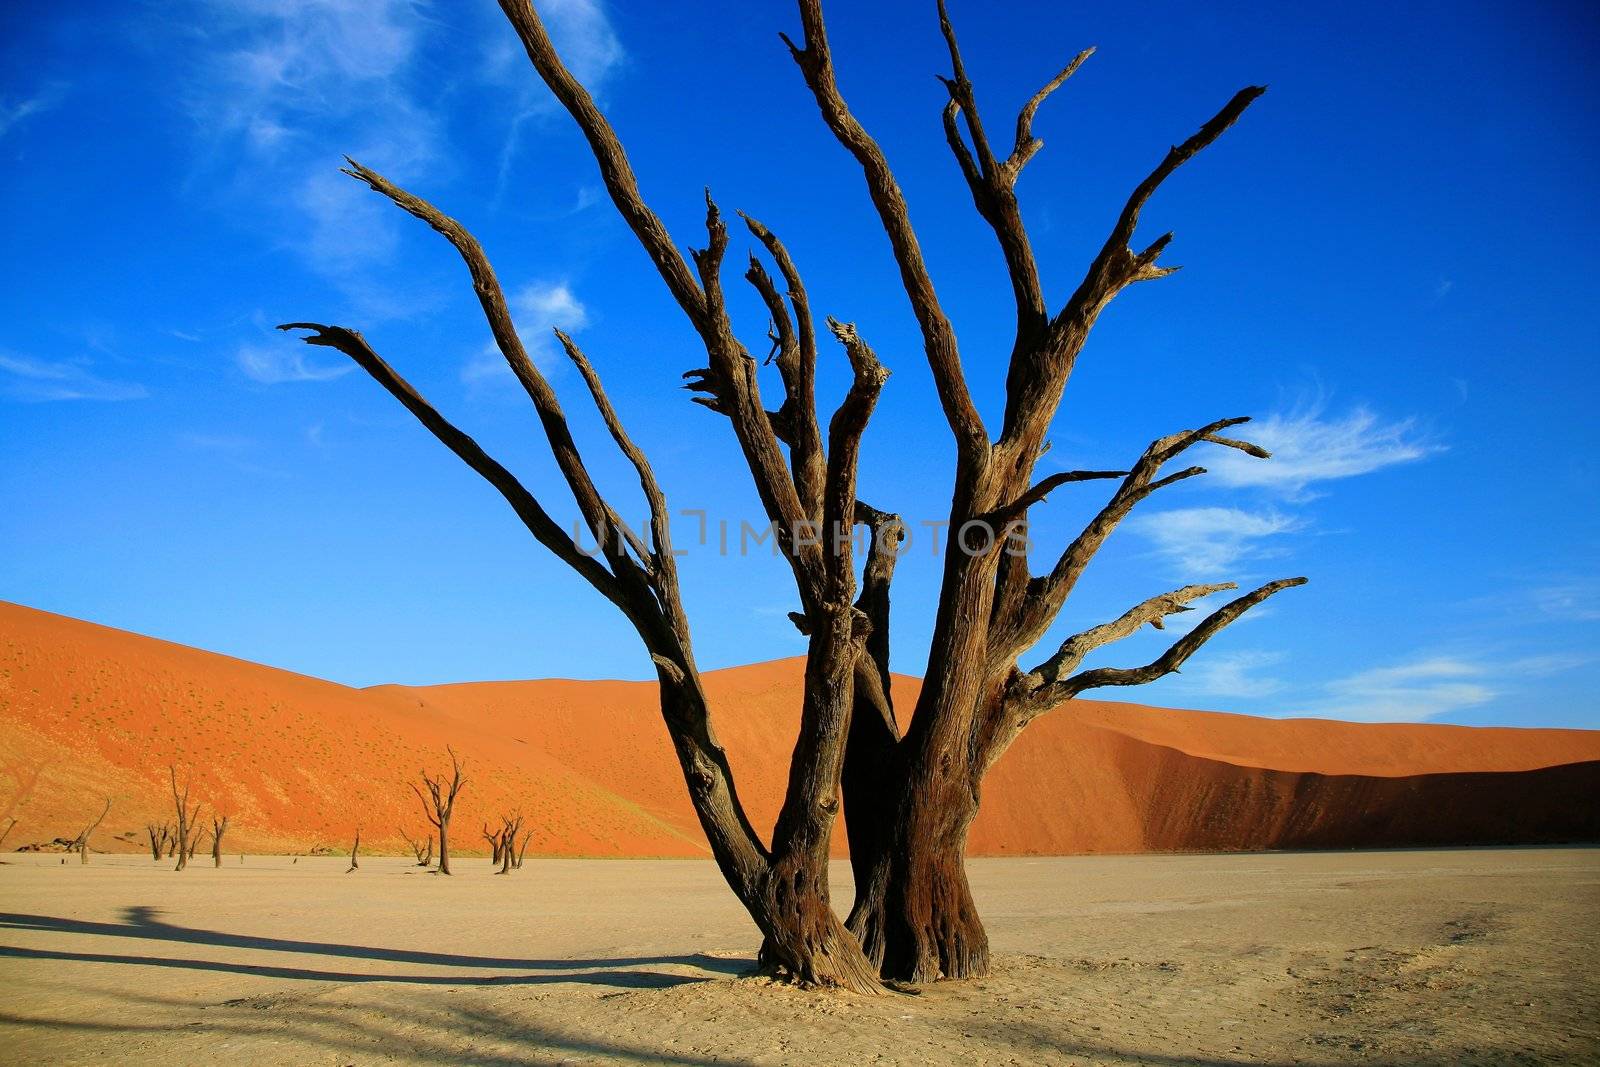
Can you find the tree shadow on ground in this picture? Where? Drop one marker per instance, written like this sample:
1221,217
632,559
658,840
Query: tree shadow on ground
475,1036
632,972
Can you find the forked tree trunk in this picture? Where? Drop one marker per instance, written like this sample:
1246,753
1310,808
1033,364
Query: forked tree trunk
910,799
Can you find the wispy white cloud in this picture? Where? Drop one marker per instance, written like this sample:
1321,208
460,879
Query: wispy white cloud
1430,686
39,380
1309,446
537,309
1413,691
1231,675
1419,688
276,364
1577,600
13,114
1206,542
280,92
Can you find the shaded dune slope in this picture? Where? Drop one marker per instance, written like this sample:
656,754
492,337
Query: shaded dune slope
87,711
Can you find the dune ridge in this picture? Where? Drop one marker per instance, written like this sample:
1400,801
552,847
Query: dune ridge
88,711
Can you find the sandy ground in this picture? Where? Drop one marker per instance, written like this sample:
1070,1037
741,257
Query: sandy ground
1482,956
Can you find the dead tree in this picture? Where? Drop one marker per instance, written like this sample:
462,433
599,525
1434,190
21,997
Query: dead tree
355,847
506,853
911,796
496,839
187,831
423,850
160,835
439,803
80,844
522,849
218,828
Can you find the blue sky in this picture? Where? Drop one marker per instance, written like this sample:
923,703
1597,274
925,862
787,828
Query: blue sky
1386,263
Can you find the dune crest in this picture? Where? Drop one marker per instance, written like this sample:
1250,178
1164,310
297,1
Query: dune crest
88,711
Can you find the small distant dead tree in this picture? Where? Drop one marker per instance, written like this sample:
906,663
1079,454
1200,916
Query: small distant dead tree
504,841
522,849
218,828
440,802
355,848
188,828
80,844
911,795
160,839
496,839
423,849
10,825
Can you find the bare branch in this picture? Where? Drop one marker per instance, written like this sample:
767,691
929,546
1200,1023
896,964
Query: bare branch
1031,695
1152,611
1116,265
938,336
615,169
845,430
993,194
1046,595
796,421
603,521
1027,144
528,509
960,87
1008,513
663,566
1038,373
1181,650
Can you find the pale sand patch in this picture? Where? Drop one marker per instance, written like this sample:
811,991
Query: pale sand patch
1483,956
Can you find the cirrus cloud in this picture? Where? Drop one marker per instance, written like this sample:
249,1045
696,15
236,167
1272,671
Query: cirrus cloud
39,380
1308,447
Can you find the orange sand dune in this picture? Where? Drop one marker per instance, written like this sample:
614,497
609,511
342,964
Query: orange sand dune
88,712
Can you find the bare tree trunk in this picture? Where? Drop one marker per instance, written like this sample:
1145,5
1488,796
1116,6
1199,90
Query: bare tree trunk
914,913
188,829
10,825
507,842
422,852
496,841
217,830
355,847
159,835
81,843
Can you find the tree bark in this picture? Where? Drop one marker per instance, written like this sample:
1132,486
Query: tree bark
159,836
82,842
218,828
914,913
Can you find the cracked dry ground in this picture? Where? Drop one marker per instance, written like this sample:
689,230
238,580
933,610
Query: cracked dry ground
1446,957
